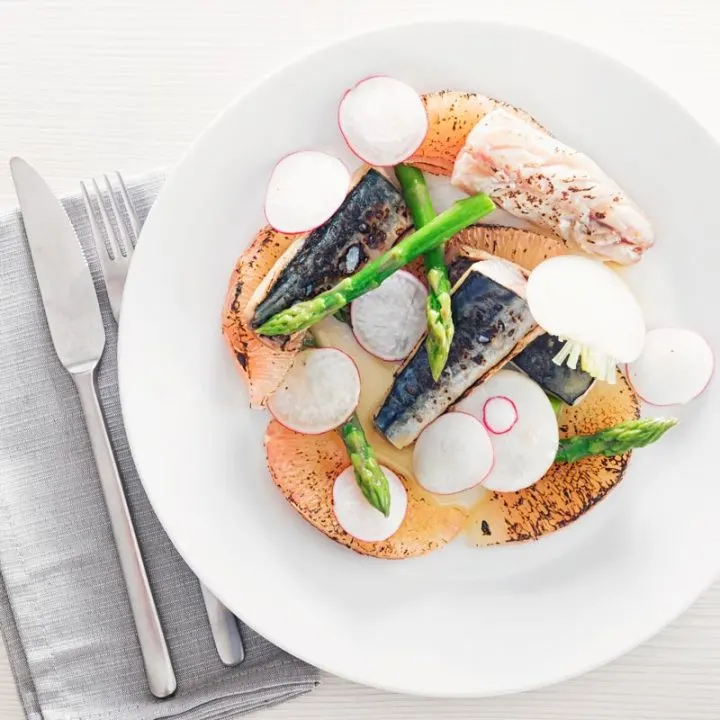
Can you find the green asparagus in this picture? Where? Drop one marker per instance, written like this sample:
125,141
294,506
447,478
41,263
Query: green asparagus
437,307
555,402
368,473
614,440
435,233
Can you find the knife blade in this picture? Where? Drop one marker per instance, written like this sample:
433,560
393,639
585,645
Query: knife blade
73,315
66,286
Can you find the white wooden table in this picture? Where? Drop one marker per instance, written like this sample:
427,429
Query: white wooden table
86,87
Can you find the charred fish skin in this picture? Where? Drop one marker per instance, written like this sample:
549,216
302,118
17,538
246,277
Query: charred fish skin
458,267
536,361
371,219
490,321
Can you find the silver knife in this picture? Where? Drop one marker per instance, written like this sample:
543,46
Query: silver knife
73,315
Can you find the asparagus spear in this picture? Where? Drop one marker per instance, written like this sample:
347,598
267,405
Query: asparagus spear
437,307
435,233
555,402
368,473
614,440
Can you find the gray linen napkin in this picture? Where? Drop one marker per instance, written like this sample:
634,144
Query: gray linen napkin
63,607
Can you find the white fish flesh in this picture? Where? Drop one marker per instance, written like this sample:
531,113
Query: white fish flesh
532,175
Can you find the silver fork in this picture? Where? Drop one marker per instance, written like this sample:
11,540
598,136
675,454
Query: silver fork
115,242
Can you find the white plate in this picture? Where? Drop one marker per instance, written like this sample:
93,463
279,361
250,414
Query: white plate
461,622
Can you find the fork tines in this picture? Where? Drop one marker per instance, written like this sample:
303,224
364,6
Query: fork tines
115,228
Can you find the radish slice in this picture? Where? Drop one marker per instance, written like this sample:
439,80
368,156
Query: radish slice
674,367
526,452
304,190
389,321
320,392
499,414
504,273
383,120
452,454
588,305
358,517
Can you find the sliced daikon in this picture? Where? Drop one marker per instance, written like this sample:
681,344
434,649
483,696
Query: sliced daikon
587,305
526,452
383,120
499,414
358,517
504,273
320,392
390,320
674,367
304,190
452,454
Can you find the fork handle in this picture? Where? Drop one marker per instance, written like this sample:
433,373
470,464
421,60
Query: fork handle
225,630
156,657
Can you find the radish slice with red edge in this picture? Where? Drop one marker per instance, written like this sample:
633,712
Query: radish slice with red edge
452,454
389,321
499,414
524,453
674,367
320,392
304,191
358,517
383,120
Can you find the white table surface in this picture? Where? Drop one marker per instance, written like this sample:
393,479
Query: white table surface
86,87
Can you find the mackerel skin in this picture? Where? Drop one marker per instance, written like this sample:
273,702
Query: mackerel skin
371,219
491,324
536,361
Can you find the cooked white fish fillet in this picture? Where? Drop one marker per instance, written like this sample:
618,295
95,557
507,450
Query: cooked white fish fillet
532,175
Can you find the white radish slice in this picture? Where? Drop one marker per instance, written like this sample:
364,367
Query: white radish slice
320,392
526,452
383,120
452,454
504,273
358,517
674,367
585,303
499,414
390,320
304,190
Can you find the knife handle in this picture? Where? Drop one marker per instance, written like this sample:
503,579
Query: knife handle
156,657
